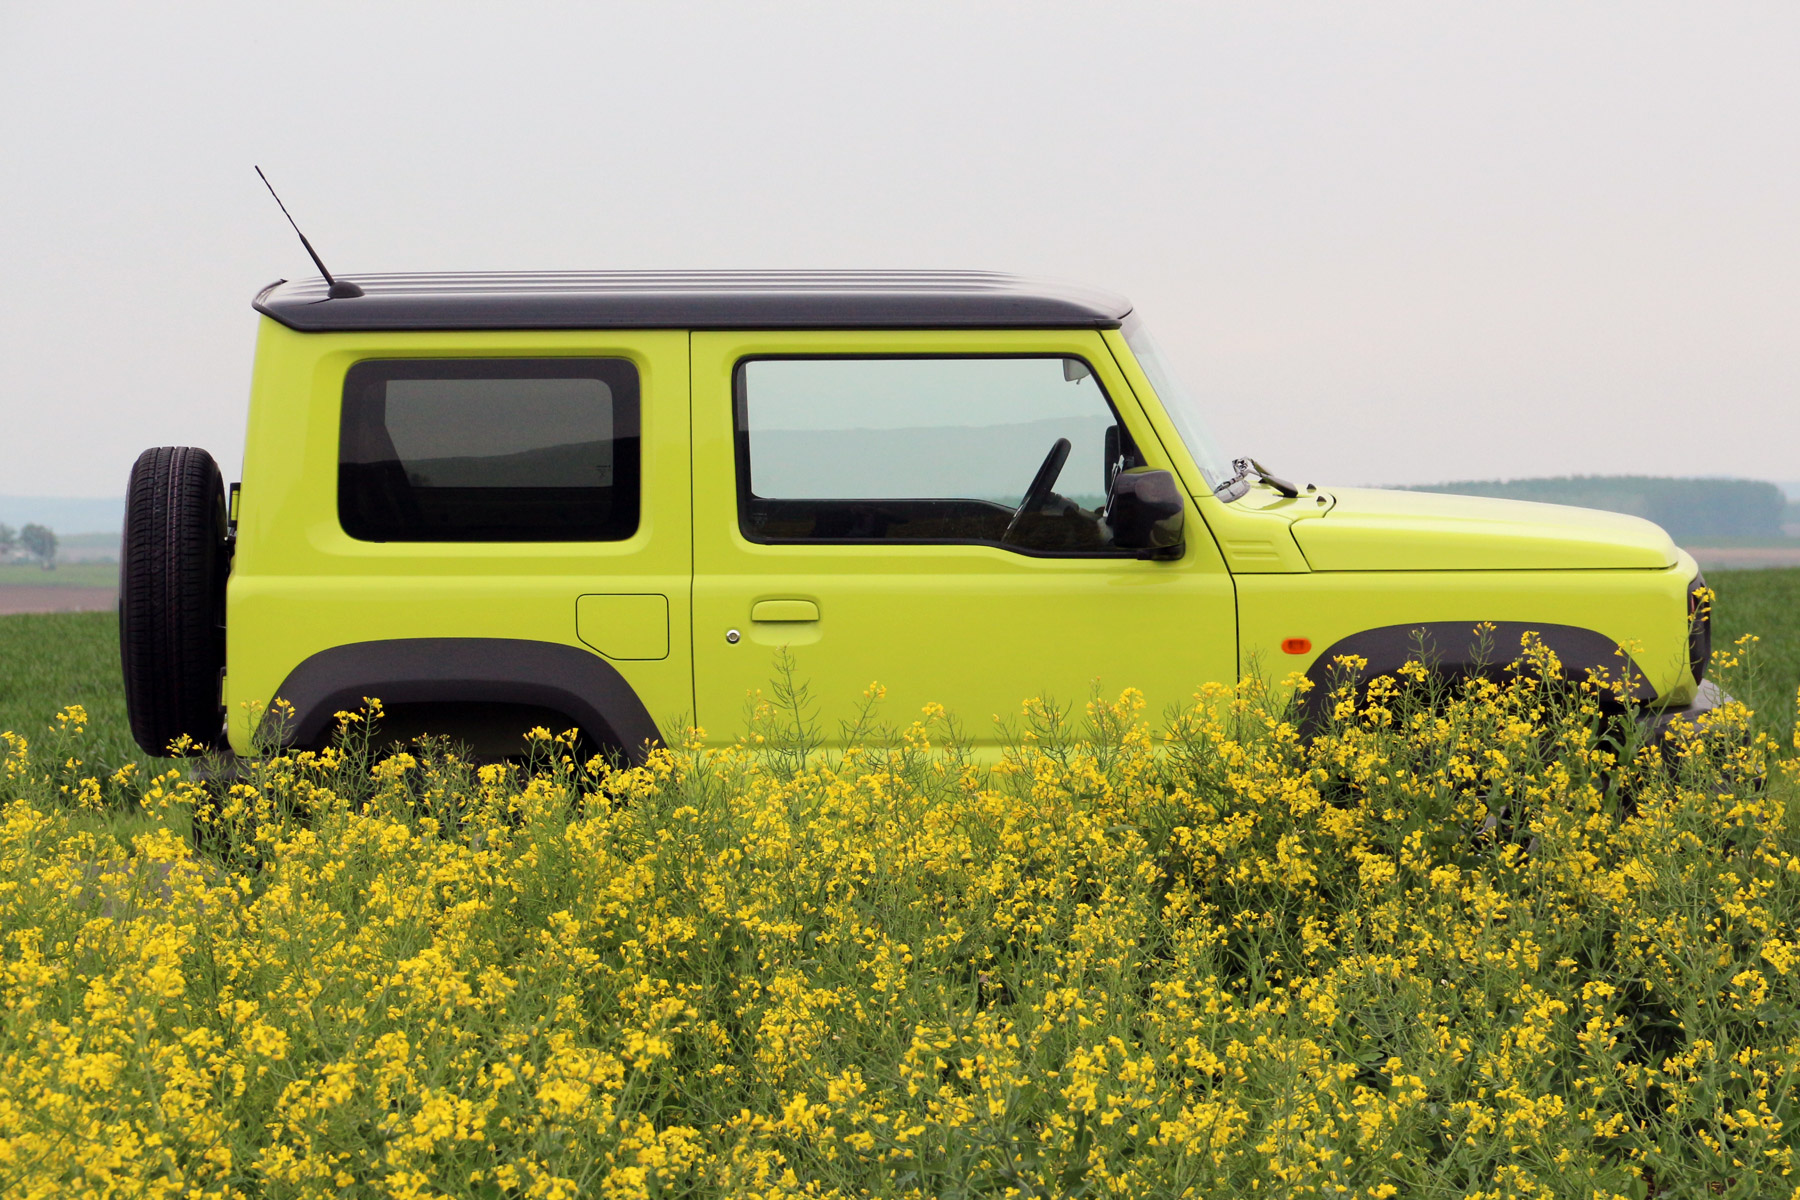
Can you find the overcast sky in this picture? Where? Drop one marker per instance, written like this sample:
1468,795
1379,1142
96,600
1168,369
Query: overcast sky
1386,243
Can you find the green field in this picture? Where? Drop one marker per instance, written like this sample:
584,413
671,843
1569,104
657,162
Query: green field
48,660
53,659
66,575
1767,605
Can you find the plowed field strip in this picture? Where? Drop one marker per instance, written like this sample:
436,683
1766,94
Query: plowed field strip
57,599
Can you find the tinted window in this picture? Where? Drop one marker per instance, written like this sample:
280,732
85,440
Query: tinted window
923,450
505,450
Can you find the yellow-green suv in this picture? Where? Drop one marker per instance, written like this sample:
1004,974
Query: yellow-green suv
608,500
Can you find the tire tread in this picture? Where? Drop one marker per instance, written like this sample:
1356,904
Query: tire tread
172,571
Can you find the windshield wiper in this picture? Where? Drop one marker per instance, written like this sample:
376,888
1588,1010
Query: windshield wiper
1245,468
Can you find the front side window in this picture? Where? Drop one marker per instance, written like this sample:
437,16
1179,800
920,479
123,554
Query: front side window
489,450
1012,451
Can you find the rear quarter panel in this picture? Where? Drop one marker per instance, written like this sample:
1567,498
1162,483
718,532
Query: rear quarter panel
300,584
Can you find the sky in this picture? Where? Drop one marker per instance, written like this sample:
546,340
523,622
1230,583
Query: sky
1384,243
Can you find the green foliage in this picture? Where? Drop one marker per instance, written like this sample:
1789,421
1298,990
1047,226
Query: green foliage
1690,509
39,541
1451,949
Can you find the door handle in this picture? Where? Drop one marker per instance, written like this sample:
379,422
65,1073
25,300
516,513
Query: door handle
784,610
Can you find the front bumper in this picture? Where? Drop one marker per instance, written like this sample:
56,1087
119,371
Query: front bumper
1657,723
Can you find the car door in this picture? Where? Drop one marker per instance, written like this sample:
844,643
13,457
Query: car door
856,501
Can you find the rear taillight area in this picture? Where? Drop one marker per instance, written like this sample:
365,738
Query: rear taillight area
1700,602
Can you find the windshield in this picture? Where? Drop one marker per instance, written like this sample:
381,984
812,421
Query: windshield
1178,402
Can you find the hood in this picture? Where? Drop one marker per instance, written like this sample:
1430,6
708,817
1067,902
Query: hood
1369,530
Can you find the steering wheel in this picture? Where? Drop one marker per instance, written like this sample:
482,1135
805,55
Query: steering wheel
1041,483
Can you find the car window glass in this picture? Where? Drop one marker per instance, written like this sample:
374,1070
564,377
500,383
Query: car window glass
502,432
489,450
922,449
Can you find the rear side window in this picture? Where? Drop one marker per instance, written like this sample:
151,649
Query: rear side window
489,450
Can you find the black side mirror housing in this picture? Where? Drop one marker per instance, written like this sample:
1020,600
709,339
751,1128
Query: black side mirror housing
1144,512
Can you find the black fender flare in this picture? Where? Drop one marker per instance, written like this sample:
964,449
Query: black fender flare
1461,649
576,682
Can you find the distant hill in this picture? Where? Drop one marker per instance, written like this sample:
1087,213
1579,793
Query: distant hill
64,514
992,462
1692,510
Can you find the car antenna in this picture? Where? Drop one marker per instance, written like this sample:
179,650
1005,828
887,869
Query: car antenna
336,289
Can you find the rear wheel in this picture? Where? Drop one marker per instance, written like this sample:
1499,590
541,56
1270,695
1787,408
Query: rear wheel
172,572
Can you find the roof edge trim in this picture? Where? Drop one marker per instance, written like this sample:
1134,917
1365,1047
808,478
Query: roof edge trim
692,300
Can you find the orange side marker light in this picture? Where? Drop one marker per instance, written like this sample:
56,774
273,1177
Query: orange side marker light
1296,645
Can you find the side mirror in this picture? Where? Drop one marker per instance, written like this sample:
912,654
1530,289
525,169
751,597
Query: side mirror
1145,512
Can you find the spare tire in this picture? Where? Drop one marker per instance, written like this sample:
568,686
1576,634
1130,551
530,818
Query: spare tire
172,569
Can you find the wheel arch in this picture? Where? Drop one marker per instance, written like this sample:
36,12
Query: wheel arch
502,671
1462,649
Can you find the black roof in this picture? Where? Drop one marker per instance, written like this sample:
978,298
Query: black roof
693,300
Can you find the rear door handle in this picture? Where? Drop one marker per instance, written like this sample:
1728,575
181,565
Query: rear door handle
784,610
